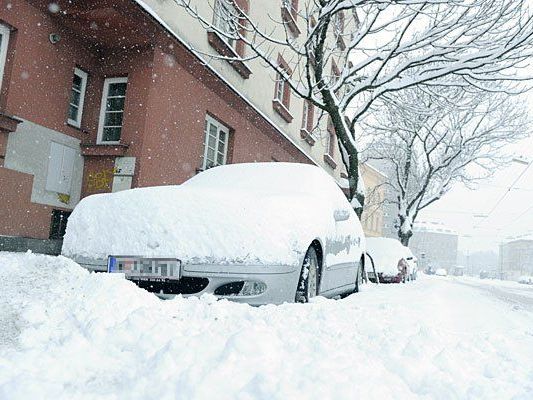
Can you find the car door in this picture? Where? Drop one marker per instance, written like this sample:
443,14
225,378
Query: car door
344,248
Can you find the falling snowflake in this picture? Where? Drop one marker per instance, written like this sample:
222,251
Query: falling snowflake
53,8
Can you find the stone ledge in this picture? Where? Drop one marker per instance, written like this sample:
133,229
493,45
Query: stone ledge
103,150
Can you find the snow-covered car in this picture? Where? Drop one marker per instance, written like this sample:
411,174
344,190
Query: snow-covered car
412,264
527,280
388,257
441,272
257,233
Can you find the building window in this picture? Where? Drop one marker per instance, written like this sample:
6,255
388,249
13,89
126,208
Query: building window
4,40
282,91
77,97
225,19
112,110
60,168
292,6
216,143
289,14
308,116
58,224
338,29
330,145
308,123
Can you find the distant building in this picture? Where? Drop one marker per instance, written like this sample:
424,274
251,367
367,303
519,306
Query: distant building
434,245
388,207
373,214
516,257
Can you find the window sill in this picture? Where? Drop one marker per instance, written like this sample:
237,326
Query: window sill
222,48
8,123
330,161
103,150
283,112
307,136
290,21
78,128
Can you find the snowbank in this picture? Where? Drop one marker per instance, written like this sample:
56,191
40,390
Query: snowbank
74,335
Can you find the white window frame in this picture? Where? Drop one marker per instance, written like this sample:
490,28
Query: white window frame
105,93
4,31
220,8
83,75
220,127
280,88
306,114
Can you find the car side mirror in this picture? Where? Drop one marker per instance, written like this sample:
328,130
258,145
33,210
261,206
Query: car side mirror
341,215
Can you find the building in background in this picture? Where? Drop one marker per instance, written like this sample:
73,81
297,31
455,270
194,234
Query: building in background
516,257
434,245
375,187
389,206
99,96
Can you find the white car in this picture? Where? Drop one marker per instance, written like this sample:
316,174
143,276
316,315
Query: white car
441,272
389,259
412,264
257,233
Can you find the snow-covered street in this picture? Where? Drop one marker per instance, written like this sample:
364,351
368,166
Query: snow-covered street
68,334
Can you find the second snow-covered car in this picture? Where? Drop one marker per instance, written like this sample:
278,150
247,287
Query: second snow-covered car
389,259
257,233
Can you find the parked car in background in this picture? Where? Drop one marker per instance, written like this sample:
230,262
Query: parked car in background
256,233
483,274
527,280
412,264
441,272
459,270
389,259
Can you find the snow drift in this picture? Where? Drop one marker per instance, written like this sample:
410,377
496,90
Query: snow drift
66,334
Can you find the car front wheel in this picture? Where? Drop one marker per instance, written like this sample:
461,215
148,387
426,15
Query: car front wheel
309,277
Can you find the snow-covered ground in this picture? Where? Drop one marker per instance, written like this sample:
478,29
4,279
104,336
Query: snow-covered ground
68,334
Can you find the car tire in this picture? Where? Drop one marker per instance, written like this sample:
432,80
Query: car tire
309,277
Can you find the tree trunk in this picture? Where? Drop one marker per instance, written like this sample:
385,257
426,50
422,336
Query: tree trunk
404,234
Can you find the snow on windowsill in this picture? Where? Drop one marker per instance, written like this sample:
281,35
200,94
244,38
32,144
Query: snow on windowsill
280,108
223,48
307,136
330,161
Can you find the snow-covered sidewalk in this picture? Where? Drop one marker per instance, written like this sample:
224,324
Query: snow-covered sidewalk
68,334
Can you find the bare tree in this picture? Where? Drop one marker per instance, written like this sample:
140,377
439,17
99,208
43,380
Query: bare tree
431,139
377,45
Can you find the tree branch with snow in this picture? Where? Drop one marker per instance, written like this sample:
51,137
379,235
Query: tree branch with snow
380,47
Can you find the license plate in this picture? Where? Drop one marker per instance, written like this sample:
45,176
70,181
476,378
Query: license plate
145,268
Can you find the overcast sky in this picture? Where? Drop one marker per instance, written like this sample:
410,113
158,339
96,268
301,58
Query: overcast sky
463,209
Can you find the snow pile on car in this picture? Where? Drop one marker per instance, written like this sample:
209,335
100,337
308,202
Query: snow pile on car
71,335
238,213
386,253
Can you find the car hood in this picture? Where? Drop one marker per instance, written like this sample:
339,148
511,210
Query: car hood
196,225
